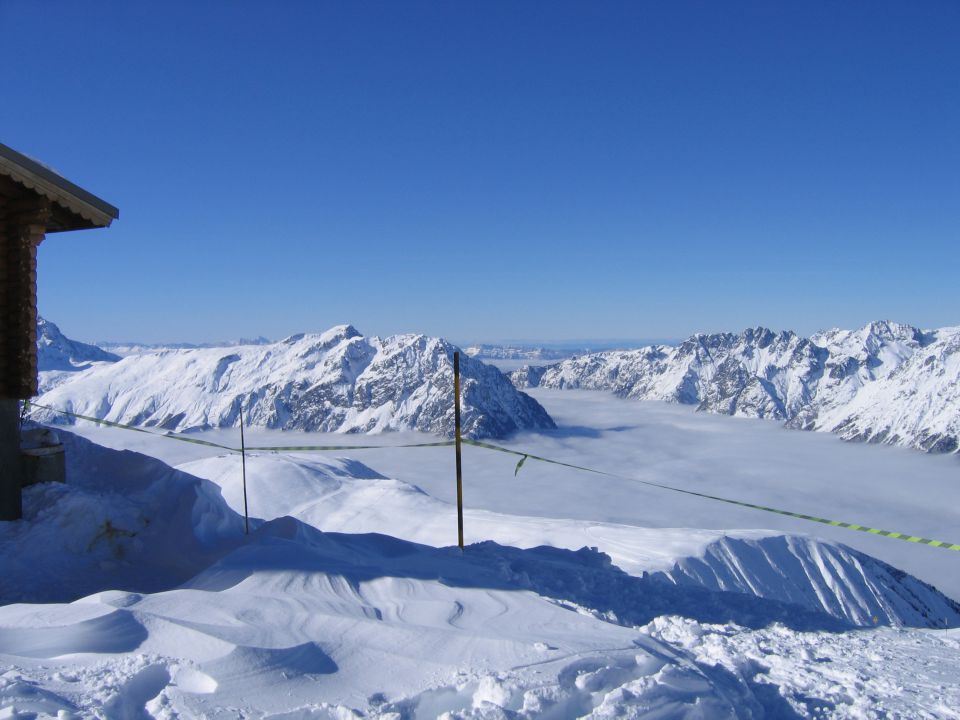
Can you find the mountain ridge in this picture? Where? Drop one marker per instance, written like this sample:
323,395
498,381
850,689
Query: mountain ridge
336,381
884,383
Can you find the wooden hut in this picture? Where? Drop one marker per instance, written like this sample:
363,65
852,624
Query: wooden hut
34,201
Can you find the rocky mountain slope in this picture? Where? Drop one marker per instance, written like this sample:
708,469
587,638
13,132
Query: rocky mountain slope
336,381
884,383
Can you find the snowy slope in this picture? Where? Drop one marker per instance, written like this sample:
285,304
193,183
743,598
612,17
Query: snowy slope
337,381
886,382
347,496
328,626
58,357
817,575
122,520
298,623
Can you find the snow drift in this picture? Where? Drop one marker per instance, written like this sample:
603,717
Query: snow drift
885,383
338,381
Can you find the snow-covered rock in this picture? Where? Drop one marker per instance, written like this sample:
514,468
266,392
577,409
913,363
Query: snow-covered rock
338,381
885,383
59,357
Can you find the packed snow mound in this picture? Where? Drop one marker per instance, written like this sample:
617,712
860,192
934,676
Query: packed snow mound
338,381
122,520
341,495
885,383
58,357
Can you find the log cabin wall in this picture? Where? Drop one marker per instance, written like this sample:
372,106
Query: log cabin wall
22,227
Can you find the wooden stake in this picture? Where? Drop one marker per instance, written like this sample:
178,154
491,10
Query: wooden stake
243,464
456,420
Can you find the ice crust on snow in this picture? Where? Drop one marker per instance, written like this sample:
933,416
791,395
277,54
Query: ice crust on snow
338,381
290,621
884,383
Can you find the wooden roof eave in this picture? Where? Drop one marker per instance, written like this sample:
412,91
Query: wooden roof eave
84,210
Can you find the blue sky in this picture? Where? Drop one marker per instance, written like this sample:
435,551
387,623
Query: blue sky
492,170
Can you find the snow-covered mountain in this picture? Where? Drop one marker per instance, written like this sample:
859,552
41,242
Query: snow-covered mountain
59,357
885,383
55,351
336,381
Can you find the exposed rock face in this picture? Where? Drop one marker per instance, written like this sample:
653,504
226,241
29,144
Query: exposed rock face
336,381
885,383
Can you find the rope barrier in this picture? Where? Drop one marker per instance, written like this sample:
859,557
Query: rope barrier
276,448
825,521
524,456
134,428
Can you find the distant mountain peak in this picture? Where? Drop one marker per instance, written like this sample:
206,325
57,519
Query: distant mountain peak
58,353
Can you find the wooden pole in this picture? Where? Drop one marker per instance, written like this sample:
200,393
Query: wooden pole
456,420
243,464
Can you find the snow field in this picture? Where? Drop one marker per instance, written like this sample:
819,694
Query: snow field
752,460
180,615
298,623
346,496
